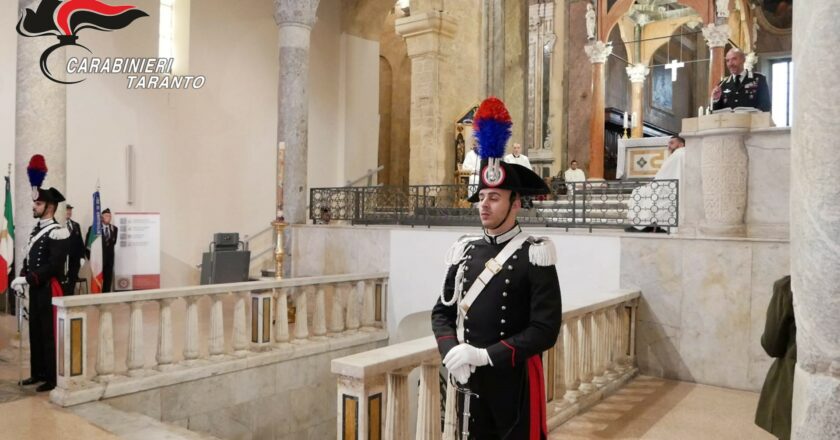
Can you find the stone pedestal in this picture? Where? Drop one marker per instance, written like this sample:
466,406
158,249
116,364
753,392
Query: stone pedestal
425,34
815,222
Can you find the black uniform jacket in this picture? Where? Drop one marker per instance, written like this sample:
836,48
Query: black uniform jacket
517,315
751,92
44,262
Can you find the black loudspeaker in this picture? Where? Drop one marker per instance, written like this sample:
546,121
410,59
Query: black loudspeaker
225,262
225,241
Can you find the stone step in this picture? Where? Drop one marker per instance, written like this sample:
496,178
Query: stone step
133,426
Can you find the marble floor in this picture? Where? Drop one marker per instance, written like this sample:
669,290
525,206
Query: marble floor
653,409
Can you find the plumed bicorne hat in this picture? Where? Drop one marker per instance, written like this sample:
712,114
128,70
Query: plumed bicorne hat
491,128
37,172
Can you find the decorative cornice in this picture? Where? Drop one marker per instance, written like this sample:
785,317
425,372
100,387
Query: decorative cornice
426,22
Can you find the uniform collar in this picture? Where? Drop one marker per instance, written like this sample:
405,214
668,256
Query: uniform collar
503,237
45,222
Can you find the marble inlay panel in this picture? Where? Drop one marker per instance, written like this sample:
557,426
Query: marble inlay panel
654,266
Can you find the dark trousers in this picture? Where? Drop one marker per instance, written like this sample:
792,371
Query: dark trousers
41,336
108,276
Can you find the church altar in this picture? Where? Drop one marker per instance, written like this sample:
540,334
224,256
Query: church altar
640,158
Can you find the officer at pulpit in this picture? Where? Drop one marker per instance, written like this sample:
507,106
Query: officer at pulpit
741,88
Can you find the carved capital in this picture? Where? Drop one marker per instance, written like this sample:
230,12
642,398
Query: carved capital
722,8
295,12
751,61
716,35
598,52
637,72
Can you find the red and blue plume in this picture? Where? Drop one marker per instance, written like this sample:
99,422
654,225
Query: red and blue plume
37,170
491,127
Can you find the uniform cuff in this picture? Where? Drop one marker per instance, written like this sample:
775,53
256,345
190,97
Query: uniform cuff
502,354
446,343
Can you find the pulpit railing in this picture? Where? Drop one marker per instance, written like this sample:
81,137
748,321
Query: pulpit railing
593,357
154,338
605,204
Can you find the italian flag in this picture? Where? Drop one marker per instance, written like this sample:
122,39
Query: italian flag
7,240
94,243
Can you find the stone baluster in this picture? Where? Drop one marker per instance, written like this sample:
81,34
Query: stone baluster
396,406
428,403
240,325
217,327
136,355
191,330
599,348
165,355
623,330
336,324
612,343
319,315
369,306
301,308
281,322
571,363
585,351
450,417
632,337
353,299
105,354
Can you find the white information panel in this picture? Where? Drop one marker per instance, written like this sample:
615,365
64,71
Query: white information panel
137,253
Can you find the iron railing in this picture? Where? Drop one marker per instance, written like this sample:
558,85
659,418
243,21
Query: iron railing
607,204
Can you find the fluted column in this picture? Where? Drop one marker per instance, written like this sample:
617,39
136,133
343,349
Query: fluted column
105,353
426,34
301,318
637,74
598,53
217,327
396,406
191,329
165,355
136,356
319,315
294,19
815,221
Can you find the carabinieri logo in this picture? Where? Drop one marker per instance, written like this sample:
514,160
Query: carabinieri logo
65,18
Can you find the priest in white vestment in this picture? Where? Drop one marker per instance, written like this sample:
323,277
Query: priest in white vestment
573,175
651,205
517,157
472,163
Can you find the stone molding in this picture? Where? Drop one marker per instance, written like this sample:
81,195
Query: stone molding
436,22
637,72
598,52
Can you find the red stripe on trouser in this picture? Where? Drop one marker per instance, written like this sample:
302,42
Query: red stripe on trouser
56,291
536,395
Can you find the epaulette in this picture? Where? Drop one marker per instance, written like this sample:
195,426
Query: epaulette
457,250
59,233
542,251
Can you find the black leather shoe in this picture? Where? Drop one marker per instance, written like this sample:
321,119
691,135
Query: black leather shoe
30,381
46,386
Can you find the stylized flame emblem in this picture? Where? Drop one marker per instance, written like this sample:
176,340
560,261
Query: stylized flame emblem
65,18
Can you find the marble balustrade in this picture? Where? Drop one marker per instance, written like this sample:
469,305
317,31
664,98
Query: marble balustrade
593,357
260,330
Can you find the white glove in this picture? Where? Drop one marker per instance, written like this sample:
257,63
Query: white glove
466,354
81,262
18,284
462,374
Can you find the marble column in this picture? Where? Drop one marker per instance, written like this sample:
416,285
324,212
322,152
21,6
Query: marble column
815,222
716,35
425,34
598,53
40,127
294,19
493,48
637,74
